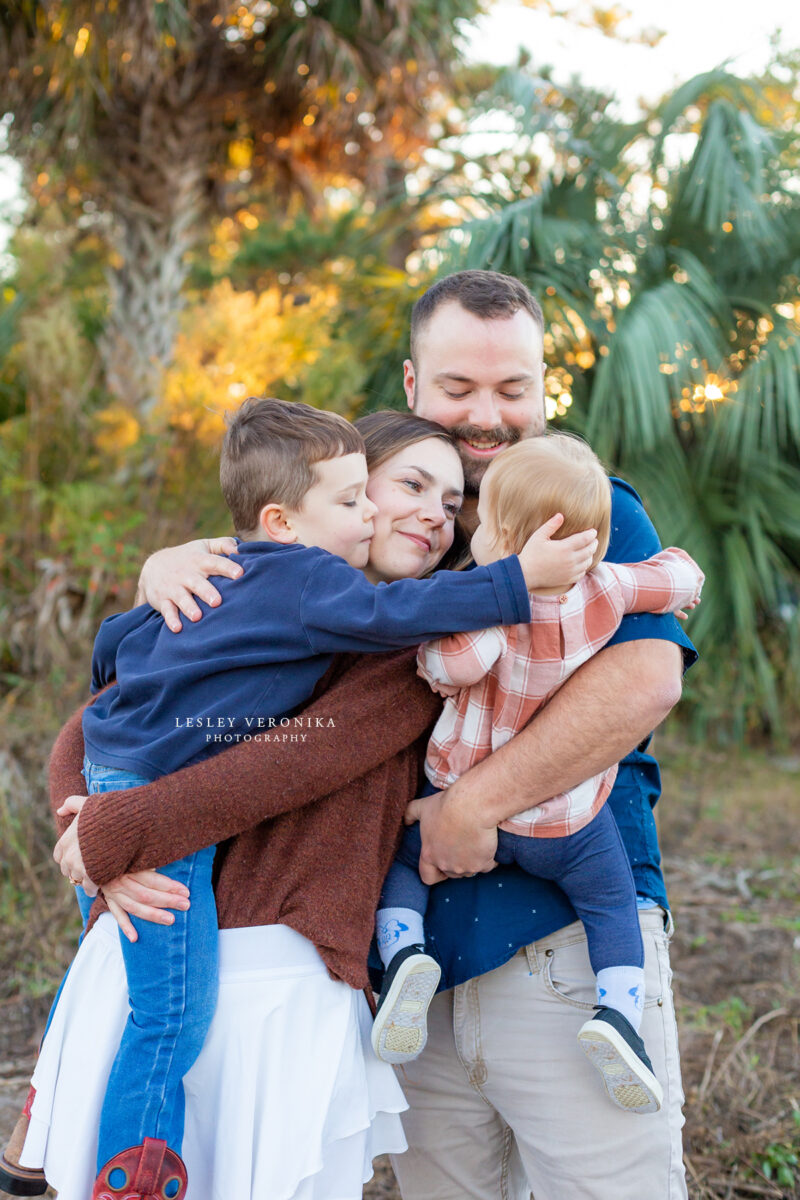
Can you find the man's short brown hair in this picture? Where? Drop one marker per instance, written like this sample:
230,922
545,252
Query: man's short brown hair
485,294
530,482
270,451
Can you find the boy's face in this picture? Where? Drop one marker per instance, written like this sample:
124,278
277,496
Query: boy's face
487,544
336,514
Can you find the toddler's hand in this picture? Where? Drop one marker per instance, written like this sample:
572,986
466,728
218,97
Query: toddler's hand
547,563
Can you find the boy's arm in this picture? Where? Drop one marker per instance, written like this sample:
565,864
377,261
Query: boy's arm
342,611
667,582
374,710
451,663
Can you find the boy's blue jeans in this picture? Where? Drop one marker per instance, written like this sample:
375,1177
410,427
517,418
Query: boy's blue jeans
172,989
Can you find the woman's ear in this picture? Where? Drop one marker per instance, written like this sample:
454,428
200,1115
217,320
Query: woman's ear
274,521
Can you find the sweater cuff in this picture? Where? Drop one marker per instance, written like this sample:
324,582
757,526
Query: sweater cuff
512,594
108,846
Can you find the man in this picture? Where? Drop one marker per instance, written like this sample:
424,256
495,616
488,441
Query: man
502,1102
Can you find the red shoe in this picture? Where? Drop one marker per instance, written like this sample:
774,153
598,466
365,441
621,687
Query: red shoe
147,1172
14,1179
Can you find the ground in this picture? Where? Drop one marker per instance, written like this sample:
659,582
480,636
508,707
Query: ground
728,824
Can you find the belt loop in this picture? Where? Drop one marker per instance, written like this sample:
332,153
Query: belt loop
669,924
533,958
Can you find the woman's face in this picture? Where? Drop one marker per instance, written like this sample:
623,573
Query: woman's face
418,493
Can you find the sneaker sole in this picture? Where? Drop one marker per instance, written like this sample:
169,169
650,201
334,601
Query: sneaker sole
400,1030
627,1080
21,1181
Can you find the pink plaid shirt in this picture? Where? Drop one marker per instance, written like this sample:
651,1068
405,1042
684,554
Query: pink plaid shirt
495,680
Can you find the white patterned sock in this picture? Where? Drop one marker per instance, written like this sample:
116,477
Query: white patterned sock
396,928
622,988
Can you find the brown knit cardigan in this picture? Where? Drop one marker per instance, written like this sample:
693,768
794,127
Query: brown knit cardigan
305,831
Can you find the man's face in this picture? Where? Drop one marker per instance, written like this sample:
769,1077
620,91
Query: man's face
481,379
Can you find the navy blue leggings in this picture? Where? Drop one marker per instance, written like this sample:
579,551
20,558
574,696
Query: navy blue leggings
591,867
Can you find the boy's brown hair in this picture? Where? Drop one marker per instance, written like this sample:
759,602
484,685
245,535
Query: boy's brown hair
538,477
270,451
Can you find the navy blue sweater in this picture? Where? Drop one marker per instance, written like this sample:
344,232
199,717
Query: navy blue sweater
178,698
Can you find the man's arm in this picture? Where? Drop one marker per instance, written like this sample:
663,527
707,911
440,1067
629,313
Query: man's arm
600,714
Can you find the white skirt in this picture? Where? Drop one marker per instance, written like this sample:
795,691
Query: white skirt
287,1100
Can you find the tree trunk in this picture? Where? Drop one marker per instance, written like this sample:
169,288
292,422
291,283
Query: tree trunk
157,193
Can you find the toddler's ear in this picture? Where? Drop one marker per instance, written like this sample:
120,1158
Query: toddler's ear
275,523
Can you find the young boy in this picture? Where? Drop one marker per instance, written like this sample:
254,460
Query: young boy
295,481
494,681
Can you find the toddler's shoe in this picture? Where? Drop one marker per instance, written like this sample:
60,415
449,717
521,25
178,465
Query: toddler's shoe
614,1047
148,1172
14,1179
401,1022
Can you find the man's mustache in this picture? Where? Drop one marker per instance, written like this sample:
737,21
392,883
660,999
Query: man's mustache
471,433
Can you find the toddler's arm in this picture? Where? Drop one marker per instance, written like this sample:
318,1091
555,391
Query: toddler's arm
451,663
667,582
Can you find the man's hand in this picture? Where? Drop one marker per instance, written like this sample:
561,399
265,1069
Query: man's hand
453,844
171,578
144,894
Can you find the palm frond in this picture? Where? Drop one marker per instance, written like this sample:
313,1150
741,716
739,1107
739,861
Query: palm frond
763,415
669,337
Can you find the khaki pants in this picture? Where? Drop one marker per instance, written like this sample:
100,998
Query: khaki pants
504,1103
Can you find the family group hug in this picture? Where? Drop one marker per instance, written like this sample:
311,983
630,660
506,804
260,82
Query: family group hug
362,831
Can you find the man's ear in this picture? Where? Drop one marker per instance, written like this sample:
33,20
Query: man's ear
409,382
274,521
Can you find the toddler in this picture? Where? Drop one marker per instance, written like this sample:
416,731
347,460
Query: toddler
494,681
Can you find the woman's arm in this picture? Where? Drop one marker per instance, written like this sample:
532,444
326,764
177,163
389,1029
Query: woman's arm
370,713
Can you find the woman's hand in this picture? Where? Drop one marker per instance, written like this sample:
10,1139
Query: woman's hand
171,578
550,563
144,894
67,852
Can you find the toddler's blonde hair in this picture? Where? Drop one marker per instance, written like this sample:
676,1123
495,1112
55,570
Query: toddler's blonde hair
541,476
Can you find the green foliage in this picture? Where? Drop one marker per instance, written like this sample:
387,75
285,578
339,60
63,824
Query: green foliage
779,1161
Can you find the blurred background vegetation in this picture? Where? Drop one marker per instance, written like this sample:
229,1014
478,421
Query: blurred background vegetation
217,199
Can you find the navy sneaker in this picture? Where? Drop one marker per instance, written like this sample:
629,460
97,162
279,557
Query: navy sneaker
614,1047
401,1022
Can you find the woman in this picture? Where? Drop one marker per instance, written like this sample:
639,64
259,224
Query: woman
301,1105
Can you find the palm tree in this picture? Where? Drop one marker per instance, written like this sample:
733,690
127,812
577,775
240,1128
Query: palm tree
152,111
670,281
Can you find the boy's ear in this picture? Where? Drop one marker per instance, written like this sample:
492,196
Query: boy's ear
274,522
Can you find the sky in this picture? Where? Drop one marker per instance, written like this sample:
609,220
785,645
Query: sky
700,34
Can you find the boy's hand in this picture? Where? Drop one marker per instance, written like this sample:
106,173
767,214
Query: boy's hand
146,895
171,578
547,563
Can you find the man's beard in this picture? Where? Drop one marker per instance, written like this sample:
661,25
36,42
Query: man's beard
474,471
